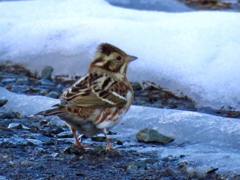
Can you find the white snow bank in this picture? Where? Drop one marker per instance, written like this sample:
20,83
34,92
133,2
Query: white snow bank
205,140
195,53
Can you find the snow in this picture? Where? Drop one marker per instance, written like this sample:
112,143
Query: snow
196,53
206,141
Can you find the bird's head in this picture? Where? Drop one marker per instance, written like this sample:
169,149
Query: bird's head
111,58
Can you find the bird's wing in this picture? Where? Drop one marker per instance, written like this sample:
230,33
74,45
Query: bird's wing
95,91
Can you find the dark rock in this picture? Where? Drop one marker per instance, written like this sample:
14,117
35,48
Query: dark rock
74,150
47,72
98,138
119,142
152,136
212,170
3,102
136,86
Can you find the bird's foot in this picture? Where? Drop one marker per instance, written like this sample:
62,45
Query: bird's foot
110,148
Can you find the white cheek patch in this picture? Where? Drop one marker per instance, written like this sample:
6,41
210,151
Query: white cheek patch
99,64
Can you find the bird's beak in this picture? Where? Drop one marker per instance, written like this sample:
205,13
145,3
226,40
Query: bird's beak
131,58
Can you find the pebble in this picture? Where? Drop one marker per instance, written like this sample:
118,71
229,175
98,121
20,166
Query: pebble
26,163
153,136
118,142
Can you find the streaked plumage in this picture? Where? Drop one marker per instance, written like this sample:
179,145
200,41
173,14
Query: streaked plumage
96,101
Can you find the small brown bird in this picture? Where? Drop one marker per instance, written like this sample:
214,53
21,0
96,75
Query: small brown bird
95,103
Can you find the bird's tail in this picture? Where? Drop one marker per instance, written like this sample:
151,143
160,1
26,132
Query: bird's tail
50,112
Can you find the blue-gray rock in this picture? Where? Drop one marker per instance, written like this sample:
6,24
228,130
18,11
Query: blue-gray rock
47,72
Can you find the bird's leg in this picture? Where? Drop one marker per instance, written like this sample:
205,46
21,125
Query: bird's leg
109,146
77,144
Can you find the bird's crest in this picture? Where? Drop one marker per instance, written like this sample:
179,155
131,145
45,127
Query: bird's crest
107,49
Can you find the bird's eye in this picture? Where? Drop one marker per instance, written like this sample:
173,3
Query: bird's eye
119,58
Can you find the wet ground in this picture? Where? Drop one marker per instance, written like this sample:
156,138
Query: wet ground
33,148
36,148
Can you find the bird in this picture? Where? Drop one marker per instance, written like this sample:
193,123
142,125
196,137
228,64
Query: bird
98,100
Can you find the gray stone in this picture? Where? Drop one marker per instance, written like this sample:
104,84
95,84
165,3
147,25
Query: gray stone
153,136
47,72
